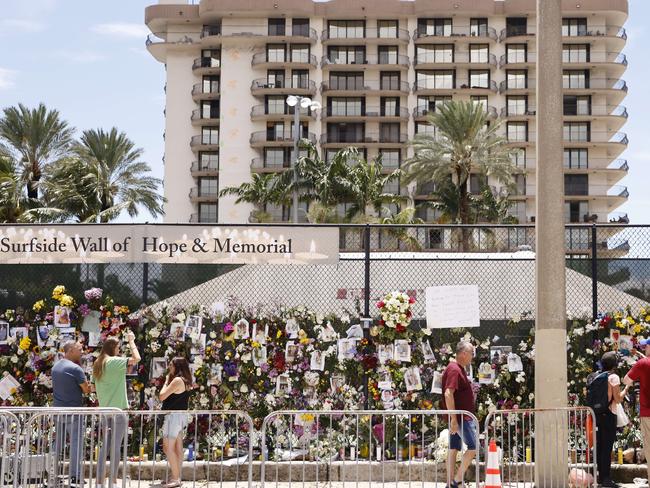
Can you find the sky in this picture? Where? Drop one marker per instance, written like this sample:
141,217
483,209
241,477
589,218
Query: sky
87,59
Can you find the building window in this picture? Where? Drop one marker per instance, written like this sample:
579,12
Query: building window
390,158
276,104
300,27
387,29
389,80
577,105
480,100
300,53
479,53
346,106
392,187
276,53
574,27
516,26
575,53
275,78
211,30
576,185
518,157
210,58
439,79
210,109
346,29
517,105
518,211
576,79
208,186
389,132
430,104
300,79
577,131
520,185
516,53
435,27
278,213
277,27
346,132
346,54
517,131
479,78
208,212
576,212
275,157
517,79
478,27
387,54
346,81
425,128
390,107
210,84
208,160
210,135
442,53
576,158
477,183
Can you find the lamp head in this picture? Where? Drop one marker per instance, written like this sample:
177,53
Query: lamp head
305,102
316,105
292,100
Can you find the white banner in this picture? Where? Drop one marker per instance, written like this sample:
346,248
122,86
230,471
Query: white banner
449,307
151,243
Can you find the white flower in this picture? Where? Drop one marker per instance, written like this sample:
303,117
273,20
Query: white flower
181,317
20,352
270,400
213,335
203,400
14,359
198,361
243,389
154,333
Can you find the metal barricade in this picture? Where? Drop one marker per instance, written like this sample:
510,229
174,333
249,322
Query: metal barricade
9,428
530,446
363,448
216,447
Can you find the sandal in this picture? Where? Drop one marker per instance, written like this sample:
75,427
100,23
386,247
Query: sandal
173,484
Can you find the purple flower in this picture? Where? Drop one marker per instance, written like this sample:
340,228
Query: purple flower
84,310
94,294
230,368
228,328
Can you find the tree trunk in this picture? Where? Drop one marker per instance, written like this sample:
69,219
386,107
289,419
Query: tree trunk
32,185
463,211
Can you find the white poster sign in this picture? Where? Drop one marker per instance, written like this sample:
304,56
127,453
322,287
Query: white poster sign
449,307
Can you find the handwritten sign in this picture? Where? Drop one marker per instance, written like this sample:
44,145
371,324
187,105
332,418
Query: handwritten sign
449,307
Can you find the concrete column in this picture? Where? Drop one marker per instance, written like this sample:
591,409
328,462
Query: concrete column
550,339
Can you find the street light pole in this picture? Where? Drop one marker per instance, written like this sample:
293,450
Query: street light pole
294,163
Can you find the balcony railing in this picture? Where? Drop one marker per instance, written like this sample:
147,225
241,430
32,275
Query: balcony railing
511,58
456,31
368,138
366,34
262,58
594,57
459,85
260,164
401,112
593,164
592,137
424,111
619,191
393,60
528,84
211,30
199,115
306,33
206,63
578,32
586,84
286,136
262,109
199,89
361,86
199,167
196,192
593,111
455,58
202,140
265,84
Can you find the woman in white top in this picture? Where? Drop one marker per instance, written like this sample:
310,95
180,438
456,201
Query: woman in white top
606,422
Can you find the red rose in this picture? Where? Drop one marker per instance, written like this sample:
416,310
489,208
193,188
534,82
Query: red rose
400,328
411,300
369,362
29,377
278,361
380,304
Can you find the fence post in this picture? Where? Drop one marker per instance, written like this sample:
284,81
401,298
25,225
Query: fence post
594,272
145,283
366,303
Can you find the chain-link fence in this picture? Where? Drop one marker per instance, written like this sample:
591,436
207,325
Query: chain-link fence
608,267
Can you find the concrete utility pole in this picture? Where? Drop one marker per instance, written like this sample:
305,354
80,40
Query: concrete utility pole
550,326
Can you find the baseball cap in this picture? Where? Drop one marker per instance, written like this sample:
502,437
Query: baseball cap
644,342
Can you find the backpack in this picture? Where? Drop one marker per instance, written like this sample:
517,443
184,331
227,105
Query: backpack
597,392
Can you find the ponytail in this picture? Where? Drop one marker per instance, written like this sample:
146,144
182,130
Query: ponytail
109,349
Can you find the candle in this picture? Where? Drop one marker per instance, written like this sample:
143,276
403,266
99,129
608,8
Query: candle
353,453
96,452
141,453
378,453
620,455
529,455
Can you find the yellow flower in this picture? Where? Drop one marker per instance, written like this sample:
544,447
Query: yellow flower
304,340
38,306
279,334
124,310
307,417
58,291
25,342
256,344
66,301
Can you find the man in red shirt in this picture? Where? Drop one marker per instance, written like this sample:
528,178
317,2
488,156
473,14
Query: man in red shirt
641,372
459,395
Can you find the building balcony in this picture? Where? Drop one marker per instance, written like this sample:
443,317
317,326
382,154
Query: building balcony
197,196
352,88
204,143
516,61
379,62
455,60
262,86
262,112
613,170
612,113
368,114
367,140
160,43
299,34
614,88
196,218
615,61
261,60
199,92
200,119
588,34
609,192
516,33
368,36
273,139
421,113
426,87
614,142
258,165
206,66
454,34
201,169
518,87
211,36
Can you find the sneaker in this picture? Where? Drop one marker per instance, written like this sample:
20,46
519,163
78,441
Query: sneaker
74,482
609,484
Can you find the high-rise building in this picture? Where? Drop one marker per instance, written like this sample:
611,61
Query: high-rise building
378,67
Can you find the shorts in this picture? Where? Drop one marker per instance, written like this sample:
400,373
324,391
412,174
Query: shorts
467,434
174,424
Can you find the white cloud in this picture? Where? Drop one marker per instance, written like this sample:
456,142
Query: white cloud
7,78
122,30
9,26
83,56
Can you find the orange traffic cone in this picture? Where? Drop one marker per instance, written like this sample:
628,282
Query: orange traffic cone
493,473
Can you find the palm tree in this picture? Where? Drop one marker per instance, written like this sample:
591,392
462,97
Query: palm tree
405,235
262,190
104,179
464,143
494,207
35,139
13,197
